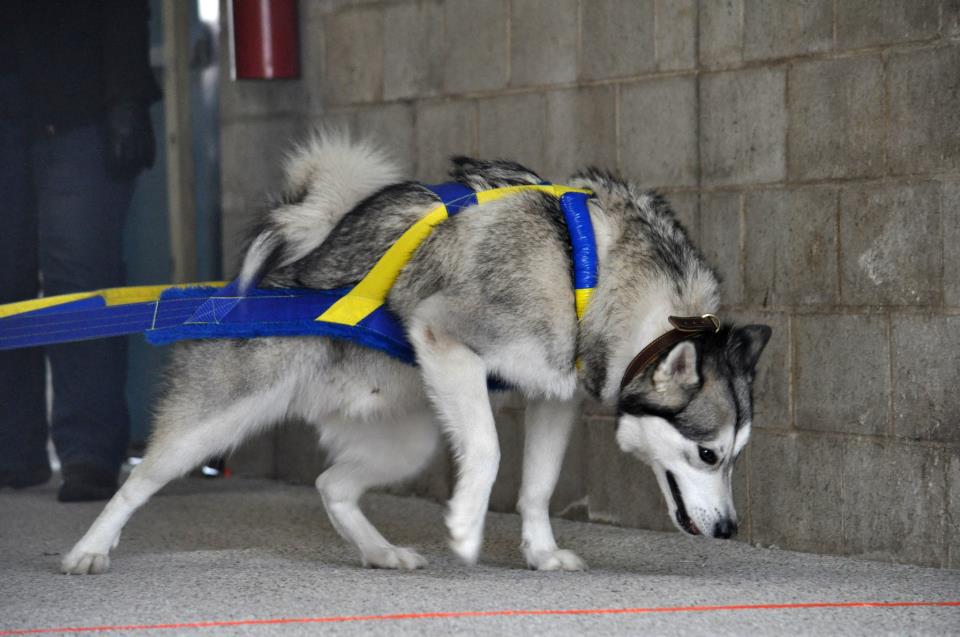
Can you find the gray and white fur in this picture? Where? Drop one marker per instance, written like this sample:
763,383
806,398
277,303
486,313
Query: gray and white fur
488,294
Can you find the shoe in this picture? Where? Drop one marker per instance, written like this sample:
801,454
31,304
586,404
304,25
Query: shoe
24,479
86,483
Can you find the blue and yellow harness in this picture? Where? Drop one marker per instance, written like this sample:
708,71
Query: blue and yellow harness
167,313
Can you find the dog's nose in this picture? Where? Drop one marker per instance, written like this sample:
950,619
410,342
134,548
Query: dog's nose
725,529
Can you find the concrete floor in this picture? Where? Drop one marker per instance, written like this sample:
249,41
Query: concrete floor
232,549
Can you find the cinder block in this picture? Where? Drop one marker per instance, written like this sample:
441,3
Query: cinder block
312,11
862,23
251,158
340,120
393,126
842,378
771,387
443,129
354,56
950,209
251,168
795,491
581,131
894,502
235,224
320,9
926,355
924,106
791,246
743,126
543,42
512,127
741,495
244,98
782,29
721,32
620,489
836,118
720,240
299,458
686,207
658,132
676,32
413,47
313,54
951,17
953,511
891,245
503,497
571,487
617,38
476,55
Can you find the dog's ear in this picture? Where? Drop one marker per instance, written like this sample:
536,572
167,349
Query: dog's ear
668,387
678,368
746,344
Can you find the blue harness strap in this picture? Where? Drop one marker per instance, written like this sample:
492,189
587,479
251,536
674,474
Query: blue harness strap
583,246
205,311
294,312
75,321
455,196
271,312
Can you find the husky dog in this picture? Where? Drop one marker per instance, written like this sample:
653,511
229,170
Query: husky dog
488,294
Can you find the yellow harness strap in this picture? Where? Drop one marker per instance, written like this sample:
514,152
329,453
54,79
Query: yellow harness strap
111,296
371,292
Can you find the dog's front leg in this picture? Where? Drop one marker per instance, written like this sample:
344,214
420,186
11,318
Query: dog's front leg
548,424
457,382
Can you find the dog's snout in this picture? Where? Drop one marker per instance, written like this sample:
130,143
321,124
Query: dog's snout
725,529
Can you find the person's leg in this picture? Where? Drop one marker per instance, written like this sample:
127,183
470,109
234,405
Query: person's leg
82,211
23,419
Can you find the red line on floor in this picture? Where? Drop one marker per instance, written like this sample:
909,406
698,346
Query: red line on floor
479,613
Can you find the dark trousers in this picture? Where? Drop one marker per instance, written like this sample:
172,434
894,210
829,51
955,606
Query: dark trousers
61,216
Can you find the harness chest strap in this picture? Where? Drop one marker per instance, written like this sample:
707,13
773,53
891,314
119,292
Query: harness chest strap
684,327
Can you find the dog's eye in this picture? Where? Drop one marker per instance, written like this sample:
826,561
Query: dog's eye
707,455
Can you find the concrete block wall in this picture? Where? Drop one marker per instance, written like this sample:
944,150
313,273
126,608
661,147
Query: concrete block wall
813,151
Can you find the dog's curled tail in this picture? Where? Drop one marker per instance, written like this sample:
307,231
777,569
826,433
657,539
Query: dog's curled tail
325,177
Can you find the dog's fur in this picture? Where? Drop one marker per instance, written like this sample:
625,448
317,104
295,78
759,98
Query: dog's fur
488,294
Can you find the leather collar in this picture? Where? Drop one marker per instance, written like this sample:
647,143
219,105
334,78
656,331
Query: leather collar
684,327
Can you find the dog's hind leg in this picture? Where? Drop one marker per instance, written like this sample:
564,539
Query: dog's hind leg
456,378
369,454
547,429
177,447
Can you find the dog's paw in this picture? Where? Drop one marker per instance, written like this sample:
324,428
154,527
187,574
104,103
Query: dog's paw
555,560
467,549
80,562
466,533
394,557
465,542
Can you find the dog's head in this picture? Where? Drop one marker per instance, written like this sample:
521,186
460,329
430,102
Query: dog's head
688,416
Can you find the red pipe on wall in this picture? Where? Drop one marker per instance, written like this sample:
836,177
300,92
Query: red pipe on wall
266,44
